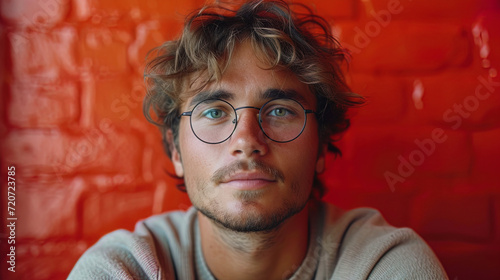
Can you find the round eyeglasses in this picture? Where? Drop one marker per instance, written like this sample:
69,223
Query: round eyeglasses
282,120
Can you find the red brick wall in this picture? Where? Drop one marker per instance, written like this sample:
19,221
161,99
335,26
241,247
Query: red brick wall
424,150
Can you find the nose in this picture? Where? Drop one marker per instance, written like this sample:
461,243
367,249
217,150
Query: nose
248,139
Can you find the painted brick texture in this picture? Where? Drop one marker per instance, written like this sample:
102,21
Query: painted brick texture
423,150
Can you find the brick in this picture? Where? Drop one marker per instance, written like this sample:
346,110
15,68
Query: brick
496,213
384,152
47,55
104,49
118,99
468,260
148,35
470,102
384,99
441,156
156,165
37,104
448,216
341,175
81,10
138,10
431,10
39,206
34,151
39,14
4,53
108,182
63,153
400,46
486,37
174,199
47,259
156,169
105,212
486,159
104,150
333,9
337,191
394,206
3,121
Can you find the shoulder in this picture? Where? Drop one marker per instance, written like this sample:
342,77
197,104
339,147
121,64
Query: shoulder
142,254
118,255
367,247
360,224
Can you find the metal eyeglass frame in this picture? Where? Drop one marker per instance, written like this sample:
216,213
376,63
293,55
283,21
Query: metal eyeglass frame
235,121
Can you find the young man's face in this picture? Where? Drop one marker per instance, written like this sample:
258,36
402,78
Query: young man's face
249,182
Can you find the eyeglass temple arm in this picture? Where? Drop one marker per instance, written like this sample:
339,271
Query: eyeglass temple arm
185,114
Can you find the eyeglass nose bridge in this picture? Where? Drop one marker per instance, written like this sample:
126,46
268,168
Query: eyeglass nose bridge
235,120
246,107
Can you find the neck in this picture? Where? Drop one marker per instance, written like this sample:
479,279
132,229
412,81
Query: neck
255,255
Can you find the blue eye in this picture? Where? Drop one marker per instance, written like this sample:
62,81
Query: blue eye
279,112
213,113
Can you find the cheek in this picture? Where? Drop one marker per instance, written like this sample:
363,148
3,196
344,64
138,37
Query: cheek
189,151
309,139
302,161
299,156
198,158
307,148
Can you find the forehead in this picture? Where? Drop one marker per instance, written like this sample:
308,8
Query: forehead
249,80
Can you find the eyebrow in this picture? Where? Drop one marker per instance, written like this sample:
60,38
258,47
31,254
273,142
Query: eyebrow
269,94
205,95
287,93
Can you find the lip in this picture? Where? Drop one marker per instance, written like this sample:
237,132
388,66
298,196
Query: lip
248,180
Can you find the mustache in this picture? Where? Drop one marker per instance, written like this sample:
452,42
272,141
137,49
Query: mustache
254,165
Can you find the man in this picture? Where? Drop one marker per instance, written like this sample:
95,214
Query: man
248,100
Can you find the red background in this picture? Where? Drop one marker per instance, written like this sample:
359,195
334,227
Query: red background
88,163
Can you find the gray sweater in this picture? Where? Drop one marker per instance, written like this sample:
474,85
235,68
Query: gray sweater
355,244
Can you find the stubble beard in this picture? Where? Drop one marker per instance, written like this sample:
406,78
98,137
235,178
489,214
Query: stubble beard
251,220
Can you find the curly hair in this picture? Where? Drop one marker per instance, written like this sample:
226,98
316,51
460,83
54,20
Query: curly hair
299,41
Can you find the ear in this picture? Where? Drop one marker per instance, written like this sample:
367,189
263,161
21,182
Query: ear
175,154
320,162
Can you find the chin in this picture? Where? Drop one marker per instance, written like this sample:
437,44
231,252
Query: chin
251,215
